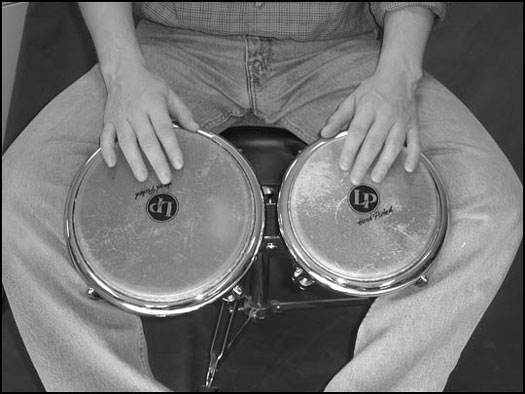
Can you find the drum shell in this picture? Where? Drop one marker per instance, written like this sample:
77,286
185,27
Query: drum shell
167,305
347,284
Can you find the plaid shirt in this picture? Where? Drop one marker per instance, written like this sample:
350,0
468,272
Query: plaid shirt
301,21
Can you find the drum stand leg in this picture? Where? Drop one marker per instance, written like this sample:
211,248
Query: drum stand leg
219,349
255,307
258,305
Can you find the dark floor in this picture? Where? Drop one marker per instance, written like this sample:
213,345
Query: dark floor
478,54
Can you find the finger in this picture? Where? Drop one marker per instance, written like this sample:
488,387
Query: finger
181,112
164,129
413,148
128,145
151,147
393,145
356,134
107,144
370,149
342,116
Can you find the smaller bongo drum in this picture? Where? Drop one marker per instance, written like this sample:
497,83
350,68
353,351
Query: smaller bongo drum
365,240
162,250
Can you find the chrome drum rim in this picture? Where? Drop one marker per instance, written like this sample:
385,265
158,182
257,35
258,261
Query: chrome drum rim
168,307
360,288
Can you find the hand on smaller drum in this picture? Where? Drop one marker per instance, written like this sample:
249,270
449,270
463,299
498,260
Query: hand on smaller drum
380,115
138,109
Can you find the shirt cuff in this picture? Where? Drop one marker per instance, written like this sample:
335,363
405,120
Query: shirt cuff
379,9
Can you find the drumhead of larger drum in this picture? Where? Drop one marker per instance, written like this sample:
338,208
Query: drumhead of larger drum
159,249
363,240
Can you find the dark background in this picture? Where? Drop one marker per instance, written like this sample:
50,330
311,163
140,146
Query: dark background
477,53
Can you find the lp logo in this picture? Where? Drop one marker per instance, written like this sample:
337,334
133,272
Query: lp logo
162,207
363,199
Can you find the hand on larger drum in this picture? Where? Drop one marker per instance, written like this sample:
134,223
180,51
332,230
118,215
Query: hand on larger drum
380,115
138,109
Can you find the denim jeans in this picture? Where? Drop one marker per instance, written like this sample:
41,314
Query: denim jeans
410,340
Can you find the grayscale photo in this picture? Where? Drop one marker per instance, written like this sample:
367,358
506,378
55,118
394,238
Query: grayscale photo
262,196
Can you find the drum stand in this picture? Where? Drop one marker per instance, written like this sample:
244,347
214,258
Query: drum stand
257,305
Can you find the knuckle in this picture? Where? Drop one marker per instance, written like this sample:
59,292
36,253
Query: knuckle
104,135
414,130
134,162
387,111
104,143
360,168
105,130
164,130
363,161
405,118
148,143
126,140
387,161
367,103
395,140
358,128
375,143
350,148
156,100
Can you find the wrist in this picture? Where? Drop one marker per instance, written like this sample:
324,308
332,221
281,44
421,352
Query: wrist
408,70
403,66
122,66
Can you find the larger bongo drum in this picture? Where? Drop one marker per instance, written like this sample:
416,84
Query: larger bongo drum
161,250
365,240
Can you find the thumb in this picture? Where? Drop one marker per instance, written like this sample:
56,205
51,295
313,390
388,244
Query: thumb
179,111
341,116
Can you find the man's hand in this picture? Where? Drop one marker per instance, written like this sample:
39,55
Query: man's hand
137,114
139,103
380,116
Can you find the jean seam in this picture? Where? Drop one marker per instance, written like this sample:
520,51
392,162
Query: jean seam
223,117
367,316
304,135
144,362
211,122
249,82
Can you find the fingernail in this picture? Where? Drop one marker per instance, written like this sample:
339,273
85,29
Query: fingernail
377,178
355,180
165,178
178,164
142,176
343,165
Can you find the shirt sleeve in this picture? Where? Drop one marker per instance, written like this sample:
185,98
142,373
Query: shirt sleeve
379,9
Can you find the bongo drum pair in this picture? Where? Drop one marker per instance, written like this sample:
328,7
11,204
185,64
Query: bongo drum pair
163,250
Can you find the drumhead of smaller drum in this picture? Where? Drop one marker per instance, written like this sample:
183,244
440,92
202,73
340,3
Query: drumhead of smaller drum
364,240
158,249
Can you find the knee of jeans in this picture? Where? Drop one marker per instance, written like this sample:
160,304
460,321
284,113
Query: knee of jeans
502,212
18,186
500,231
510,200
